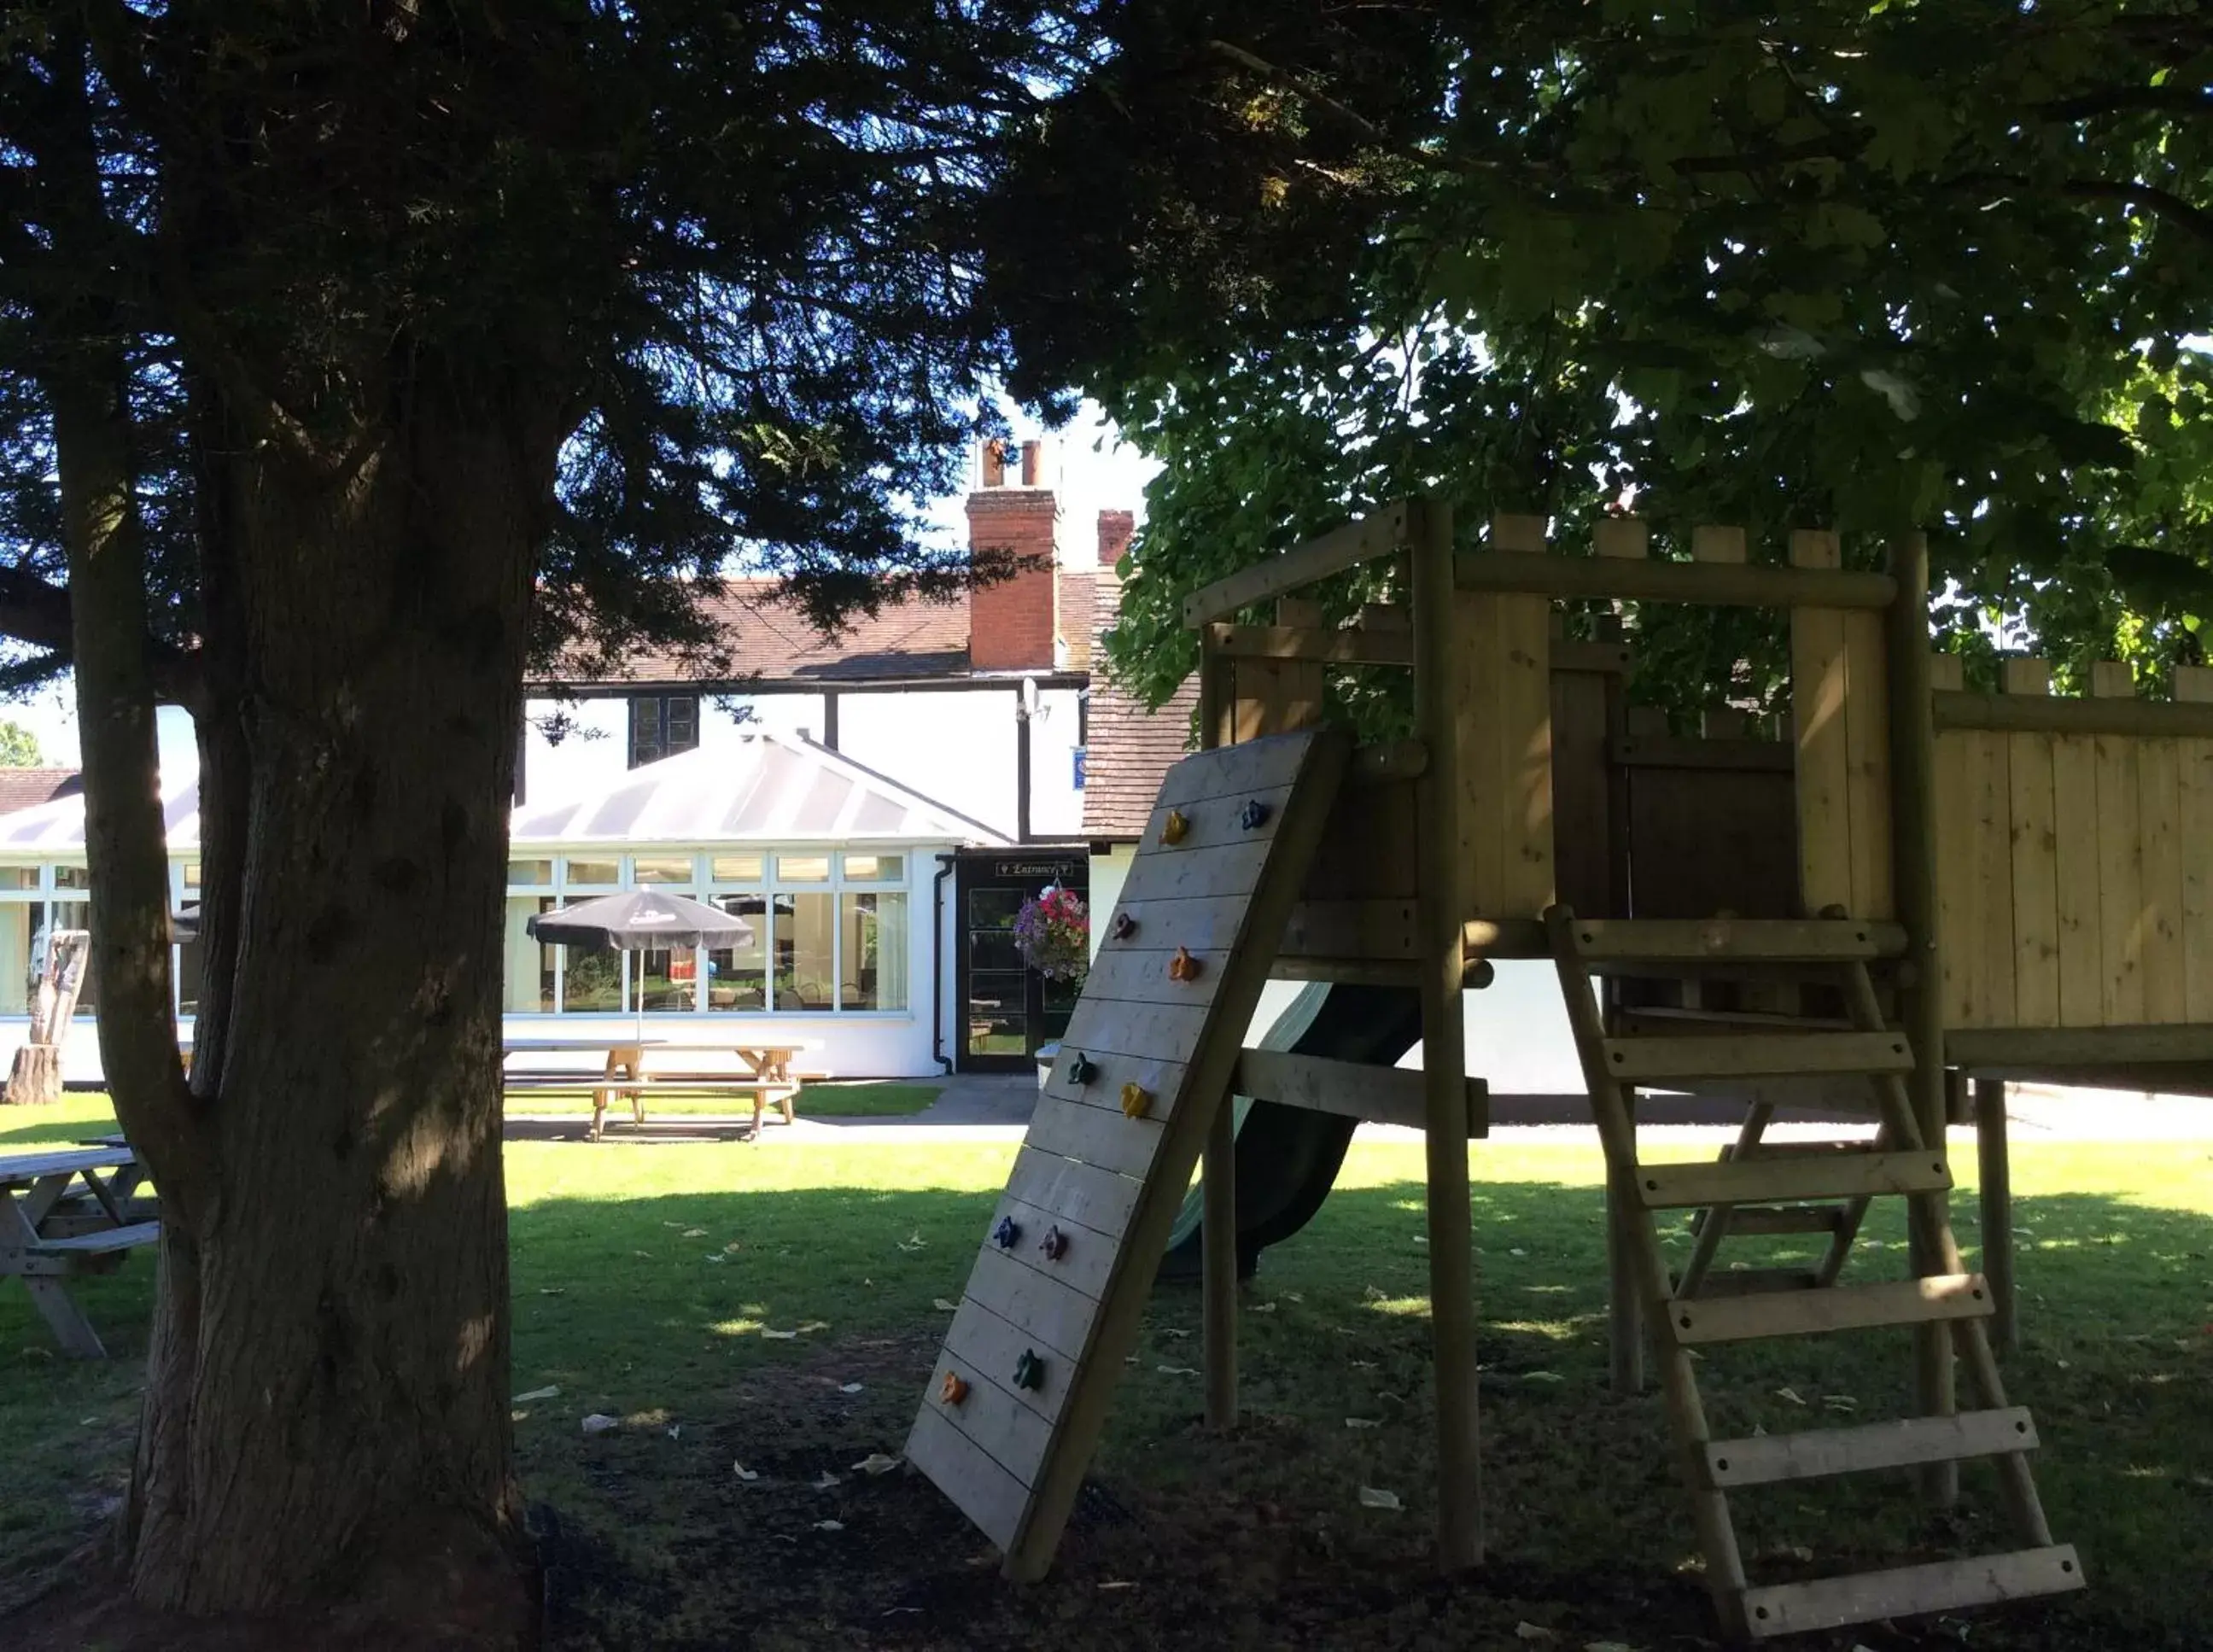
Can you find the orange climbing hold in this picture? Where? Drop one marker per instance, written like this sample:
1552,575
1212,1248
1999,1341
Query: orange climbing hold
1183,967
953,1389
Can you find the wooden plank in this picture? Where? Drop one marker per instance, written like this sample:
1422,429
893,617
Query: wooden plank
1163,1032
992,1499
1351,1090
1646,1061
1479,815
1818,1453
1959,893
1259,765
1099,1199
1841,1307
1335,645
2194,777
1057,1318
1753,586
1100,1135
1086,1263
1142,977
1867,758
2120,881
2074,869
2029,1052
1376,535
1820,683
1765,940
994,1420
1161,1078
2032,844
1441,799
1186,872
1764,1179
1941,1586
989,1346
1350,928
1992,818
1717,544
1629,537
2061,716
1522,717
2159,815
1583,788
1210,822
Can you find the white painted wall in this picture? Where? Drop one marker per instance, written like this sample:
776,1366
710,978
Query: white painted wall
958,747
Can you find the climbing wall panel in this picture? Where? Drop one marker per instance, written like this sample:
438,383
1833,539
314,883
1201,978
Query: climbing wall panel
1067,1258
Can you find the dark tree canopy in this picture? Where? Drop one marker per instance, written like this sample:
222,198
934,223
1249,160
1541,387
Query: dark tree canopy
351,357
1824,263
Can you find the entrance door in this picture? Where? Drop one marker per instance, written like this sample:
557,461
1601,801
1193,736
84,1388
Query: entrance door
1008,1008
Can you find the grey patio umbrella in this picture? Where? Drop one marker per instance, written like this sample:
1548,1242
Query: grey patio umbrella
639,920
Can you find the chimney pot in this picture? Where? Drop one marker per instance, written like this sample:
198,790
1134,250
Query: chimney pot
994,464
1031,452
1115,527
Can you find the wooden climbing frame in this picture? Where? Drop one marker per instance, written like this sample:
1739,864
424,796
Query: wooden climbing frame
1909,893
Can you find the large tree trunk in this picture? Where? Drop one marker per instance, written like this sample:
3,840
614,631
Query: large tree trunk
327,1408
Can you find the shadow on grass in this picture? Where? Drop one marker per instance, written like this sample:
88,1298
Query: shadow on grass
1258,1536
789,1332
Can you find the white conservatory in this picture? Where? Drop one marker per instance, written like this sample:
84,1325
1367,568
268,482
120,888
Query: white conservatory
838,867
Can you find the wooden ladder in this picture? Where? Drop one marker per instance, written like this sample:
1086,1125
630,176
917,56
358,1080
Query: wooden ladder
1065,1263
1896,1164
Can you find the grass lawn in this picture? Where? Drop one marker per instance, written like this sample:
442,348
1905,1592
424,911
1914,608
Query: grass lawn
833,1100
774,1308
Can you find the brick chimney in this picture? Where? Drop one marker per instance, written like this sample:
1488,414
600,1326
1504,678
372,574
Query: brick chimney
1115,527
1013,625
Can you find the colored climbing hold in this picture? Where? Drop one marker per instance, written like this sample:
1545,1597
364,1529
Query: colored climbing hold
1183,967
1122,927
1006,1233
1054,1244
1253,815
1137,1099
953,1389
1173,828
1029,1369
1081,1070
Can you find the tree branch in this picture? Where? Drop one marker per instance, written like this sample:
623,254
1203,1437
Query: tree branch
33,612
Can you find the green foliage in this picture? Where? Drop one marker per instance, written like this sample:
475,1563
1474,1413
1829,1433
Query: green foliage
19,746
1815,264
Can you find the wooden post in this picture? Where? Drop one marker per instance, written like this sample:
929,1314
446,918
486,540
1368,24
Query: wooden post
1217,1230
1921,1002
1625,1318
1995,1180
1444,1053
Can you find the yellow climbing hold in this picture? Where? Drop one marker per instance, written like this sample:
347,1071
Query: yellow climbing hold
1173,828
1136,1101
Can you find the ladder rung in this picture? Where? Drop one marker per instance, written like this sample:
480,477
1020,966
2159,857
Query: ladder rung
1752,1282
1766,1458
1985,1579
1762,1180
1763,1221
1814,941
1843,1307
1768,1055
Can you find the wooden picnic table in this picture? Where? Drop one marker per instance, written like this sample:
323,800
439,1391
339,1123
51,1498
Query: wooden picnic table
763,1071
71,1212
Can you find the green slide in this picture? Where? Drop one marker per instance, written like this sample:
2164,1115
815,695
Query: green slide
1287,1157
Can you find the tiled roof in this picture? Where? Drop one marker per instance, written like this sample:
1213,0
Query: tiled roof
768,637
1128,751
21,789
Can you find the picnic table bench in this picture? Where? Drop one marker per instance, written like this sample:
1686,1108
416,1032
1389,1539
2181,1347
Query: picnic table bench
70,1213
767,1078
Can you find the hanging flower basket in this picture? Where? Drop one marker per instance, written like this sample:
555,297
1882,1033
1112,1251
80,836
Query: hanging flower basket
1053,934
